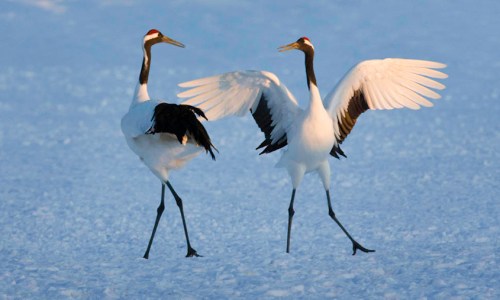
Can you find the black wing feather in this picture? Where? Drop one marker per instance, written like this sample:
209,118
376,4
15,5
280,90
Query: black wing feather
264,119
357,106
181,120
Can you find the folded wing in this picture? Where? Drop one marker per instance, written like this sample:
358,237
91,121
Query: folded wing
139,119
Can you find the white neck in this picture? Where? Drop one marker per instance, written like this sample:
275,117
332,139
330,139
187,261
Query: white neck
140,94
314,98
141,89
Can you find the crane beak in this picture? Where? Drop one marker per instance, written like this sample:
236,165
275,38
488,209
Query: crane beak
168,40
291,46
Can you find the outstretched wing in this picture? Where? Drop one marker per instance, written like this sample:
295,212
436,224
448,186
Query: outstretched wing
272,105
381,84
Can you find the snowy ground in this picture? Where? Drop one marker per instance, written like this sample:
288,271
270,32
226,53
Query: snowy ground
77,207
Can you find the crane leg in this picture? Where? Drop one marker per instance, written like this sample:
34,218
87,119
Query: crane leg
355,245
291,212
190,251
159,212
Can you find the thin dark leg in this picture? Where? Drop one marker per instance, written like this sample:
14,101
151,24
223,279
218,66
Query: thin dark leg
355,245
291,212
159,211
190,251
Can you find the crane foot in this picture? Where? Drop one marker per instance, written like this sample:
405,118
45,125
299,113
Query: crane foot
192,253
357,246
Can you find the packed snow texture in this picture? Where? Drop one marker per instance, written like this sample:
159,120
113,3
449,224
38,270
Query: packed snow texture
77,206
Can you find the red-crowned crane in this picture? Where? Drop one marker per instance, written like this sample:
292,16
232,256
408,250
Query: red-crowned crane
165,136
314,133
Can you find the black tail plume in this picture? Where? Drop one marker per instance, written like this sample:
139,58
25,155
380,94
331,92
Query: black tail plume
181,120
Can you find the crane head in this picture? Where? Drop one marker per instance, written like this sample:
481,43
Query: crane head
154,36
302,44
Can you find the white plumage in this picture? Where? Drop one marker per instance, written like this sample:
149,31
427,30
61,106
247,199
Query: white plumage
165,136
311,134
161,153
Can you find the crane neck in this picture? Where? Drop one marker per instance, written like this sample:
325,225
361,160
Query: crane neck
141,90
315,97
311,78
146,64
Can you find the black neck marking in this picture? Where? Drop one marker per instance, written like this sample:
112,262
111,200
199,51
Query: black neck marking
311,78
146,61
146,64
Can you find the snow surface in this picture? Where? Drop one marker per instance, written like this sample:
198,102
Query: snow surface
77,207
